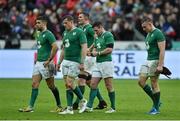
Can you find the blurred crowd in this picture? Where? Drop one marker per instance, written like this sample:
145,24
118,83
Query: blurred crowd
121,17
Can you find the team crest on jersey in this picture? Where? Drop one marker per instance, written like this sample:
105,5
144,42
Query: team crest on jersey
44,35
84,30
74,33
152,35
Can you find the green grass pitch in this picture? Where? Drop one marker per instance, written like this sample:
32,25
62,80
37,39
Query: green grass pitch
131,102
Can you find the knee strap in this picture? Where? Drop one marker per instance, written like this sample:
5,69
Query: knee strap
89,77
83,76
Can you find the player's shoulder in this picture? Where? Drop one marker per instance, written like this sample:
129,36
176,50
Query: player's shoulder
107,34
157,31
88,26
78,30
48,32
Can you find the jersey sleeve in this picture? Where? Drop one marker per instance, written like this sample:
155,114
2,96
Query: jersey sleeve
51,38
109,38
160,37
91,31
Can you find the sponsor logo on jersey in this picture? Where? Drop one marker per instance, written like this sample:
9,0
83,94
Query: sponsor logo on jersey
74,33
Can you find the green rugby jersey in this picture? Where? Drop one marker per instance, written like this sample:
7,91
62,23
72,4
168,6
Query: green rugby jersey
89,34
44,42
72,41
100,44
151,42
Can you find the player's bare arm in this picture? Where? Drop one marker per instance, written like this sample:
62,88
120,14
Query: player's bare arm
61,57
53,53
108,50
161,46
83,55
89,50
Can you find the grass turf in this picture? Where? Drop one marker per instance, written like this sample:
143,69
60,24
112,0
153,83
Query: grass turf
131,102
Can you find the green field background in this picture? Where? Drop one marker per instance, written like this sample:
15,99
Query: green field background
131,101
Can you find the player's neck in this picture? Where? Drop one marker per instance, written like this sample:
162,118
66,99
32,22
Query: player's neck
86,23
44,29
152,29
102,32
72,28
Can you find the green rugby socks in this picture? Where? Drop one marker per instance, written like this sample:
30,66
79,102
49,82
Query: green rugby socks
55,92
82,89
112,99
92,95
34,95
69,97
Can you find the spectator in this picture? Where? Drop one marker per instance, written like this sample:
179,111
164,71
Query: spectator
6,27
24,14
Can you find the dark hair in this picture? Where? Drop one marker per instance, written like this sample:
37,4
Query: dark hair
68,17
42,18
97,24
85,14
146,19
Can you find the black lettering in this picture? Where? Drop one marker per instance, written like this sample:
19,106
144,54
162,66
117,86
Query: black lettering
134,71
116,70
129,58
126,71
119,56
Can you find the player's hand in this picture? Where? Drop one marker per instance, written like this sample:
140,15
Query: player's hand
35,62
94,53
88,52
159,69
58,67
81,67
46,63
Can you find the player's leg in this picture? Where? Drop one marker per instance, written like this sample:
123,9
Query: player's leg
81,84
48,74
36,78
49,77
82,102
102,103
55,91
34,93
69,95
71,70
93,92
70,88
69,92
155,86
106,69
83,76
111,93
90,64
96,77
35,85
142,83
156,92
143,76
149,70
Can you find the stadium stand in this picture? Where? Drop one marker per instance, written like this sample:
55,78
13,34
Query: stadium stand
121,17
